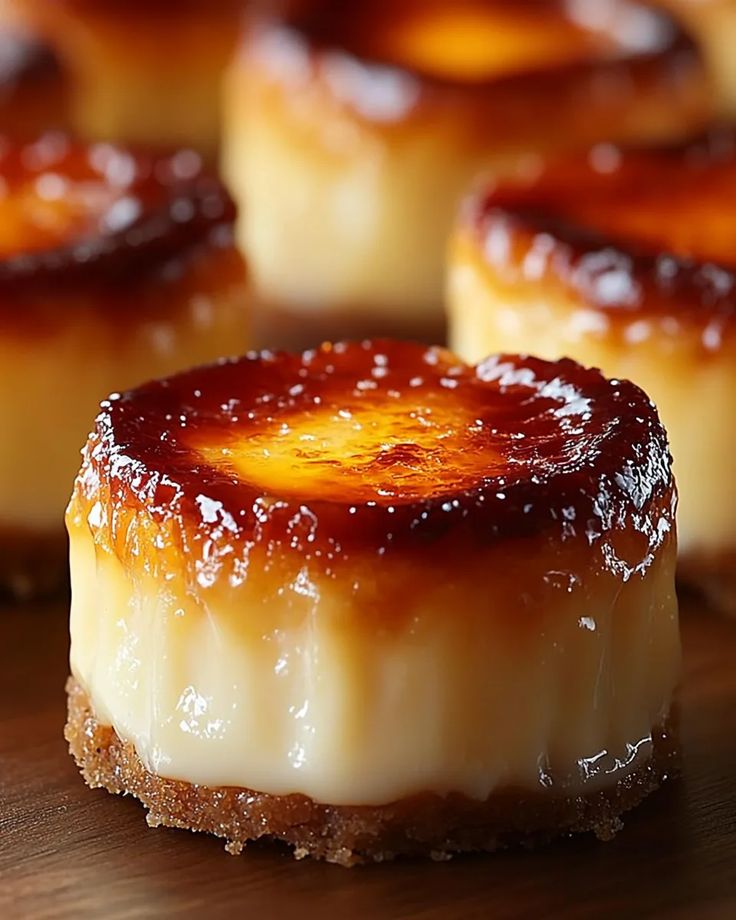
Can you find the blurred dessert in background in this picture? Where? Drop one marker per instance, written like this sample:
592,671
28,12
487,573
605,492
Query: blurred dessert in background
713,23
373,601
624,259
34,93
142,71
351,129
114,267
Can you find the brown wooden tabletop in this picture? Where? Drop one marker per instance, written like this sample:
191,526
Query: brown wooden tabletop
66,851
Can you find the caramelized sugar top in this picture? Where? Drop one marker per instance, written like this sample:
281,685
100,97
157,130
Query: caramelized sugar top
67,208
633,228
481,40
378,445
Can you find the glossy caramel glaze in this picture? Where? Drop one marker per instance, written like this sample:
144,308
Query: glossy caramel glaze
102,216
387,62
379,447
634,232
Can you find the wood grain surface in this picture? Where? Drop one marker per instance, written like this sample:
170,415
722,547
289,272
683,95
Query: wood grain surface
66,851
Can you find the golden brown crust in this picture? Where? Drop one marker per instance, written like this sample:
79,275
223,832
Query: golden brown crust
136,236
592,452
124,212
32,565
656,85
423,825
636,233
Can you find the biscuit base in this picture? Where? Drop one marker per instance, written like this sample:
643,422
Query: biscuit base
422,825
32,565
711,578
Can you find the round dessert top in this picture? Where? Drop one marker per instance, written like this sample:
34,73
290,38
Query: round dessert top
82,212
480,40
377,446
383,58
633,230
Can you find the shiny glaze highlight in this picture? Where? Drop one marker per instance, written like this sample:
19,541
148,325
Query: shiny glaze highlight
365,56
143,210
639,234
514,448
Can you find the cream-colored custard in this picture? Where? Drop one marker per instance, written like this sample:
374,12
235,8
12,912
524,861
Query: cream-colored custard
341,221
52,381
299,687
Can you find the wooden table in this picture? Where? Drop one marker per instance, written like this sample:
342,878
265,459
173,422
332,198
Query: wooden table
66,851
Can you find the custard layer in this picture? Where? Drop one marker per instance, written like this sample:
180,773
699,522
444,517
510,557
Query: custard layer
424,825
292,684
64,370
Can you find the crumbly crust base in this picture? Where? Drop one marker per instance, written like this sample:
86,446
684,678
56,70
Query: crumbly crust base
32,565
712,578
423,825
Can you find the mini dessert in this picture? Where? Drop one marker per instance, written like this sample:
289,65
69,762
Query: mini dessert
33,91
372,601
624,260
143,71
114,267
351,130
713,23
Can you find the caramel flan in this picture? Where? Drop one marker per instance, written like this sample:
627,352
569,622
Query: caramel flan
114,267
351,130
372,601
624,259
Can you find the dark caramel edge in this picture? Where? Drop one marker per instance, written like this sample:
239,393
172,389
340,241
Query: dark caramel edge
307,25
424,825
664,285
700,292
159,480
177,218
